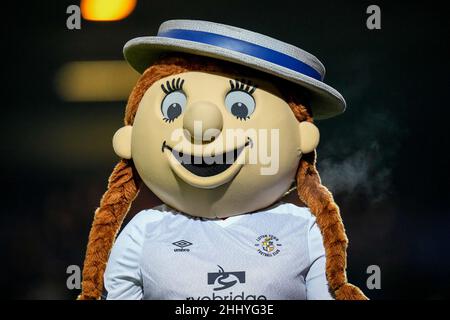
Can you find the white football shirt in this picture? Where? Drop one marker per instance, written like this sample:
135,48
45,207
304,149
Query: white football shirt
276,253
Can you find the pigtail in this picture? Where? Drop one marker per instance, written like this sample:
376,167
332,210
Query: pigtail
123,187
321,203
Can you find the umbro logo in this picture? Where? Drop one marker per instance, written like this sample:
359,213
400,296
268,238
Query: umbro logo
181,244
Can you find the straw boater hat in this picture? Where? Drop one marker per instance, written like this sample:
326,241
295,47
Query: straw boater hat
242,47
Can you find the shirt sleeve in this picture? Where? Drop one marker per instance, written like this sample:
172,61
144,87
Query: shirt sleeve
316,280
123,279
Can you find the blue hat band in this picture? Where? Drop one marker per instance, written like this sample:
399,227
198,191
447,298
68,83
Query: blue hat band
244,47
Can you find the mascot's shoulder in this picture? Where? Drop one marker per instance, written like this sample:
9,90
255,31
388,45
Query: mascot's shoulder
150,215
291,209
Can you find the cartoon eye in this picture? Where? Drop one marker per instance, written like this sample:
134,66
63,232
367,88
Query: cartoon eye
240,104
173,105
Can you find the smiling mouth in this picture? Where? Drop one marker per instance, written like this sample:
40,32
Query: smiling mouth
206,166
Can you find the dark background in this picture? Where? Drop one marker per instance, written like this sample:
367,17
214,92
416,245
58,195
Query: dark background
386,159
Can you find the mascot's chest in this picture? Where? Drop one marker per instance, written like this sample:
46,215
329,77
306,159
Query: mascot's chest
248,257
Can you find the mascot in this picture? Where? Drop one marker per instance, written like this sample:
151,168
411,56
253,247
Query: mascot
220,127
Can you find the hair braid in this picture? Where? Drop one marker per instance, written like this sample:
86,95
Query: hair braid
321,203
123,187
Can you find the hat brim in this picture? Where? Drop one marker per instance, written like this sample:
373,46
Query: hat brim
326,102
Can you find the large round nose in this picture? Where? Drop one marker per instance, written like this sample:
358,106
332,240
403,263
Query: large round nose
203,120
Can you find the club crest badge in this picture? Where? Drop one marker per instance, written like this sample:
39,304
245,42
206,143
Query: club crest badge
268,245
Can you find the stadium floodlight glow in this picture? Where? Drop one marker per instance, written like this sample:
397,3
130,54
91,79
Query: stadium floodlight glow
107,10
83,81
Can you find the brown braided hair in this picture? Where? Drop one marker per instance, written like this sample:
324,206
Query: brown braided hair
124,182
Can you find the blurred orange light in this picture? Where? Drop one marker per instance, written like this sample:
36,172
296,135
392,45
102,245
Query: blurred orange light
107,10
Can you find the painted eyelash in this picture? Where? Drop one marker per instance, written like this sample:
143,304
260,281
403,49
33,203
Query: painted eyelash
243,85
175,85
